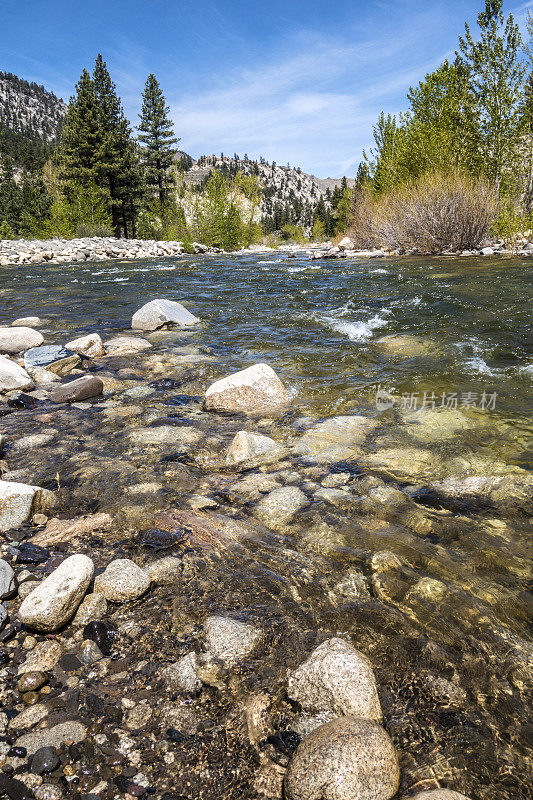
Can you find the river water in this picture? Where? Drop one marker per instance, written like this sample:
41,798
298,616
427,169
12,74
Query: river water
436,353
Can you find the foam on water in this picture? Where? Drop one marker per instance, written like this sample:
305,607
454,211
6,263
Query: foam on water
356,330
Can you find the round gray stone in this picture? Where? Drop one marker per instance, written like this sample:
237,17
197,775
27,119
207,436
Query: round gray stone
346,759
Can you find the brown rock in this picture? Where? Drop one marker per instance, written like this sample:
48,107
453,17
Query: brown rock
79,389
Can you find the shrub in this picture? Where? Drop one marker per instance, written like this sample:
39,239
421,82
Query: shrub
435,213
6,231
293,233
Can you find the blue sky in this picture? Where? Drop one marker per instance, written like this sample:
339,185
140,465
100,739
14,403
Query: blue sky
299,81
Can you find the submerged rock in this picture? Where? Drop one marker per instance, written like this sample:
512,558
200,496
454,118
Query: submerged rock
336,439
57,598
438,794
336,678
230,640
18,340
246,446
278,507
157,313
26,322
184,673
80,389
90,346
12,376
63,530
122,580
250,390
407,463
57,736
406,345
346,759
126,344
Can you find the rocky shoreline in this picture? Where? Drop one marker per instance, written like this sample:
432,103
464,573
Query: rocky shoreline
147,659
62,251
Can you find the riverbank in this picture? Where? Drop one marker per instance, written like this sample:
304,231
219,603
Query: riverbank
63,251
258,539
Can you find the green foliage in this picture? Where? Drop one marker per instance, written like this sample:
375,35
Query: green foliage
467,115
293,233
511,221
83,213
6,231
318,234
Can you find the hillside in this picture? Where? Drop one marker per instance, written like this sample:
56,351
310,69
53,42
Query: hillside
30,117
289,195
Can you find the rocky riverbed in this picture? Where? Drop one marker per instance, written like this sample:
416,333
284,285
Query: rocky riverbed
211,591
64,251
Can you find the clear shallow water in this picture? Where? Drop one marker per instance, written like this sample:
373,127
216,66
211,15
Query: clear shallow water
459,327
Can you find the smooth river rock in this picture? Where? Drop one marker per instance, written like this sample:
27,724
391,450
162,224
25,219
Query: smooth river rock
346,759
230,640
126,344
157,313
246,446
250,390
122,580
12,376
90,346
336,678
18,340
16,501
57,598
83,388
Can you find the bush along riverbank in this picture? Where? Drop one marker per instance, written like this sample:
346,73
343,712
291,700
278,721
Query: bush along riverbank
205,595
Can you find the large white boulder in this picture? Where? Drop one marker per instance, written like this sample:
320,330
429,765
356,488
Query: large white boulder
346,244
12,376
56,599
18,340
16,501
252,389
157,313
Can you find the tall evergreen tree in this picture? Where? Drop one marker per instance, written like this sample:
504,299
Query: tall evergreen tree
116,156
157,137
81,136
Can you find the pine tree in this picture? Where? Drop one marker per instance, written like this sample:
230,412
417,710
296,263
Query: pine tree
116,156
157,138
81,137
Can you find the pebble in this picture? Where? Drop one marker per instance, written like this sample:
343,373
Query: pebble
42,658
166,570
122,580
80,389
346,759
336,678
90,653
44,760
184,673
57,598
229,640
48,791
103,634
31,681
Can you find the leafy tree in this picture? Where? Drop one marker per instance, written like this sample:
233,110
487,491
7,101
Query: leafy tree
157,137
495,74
